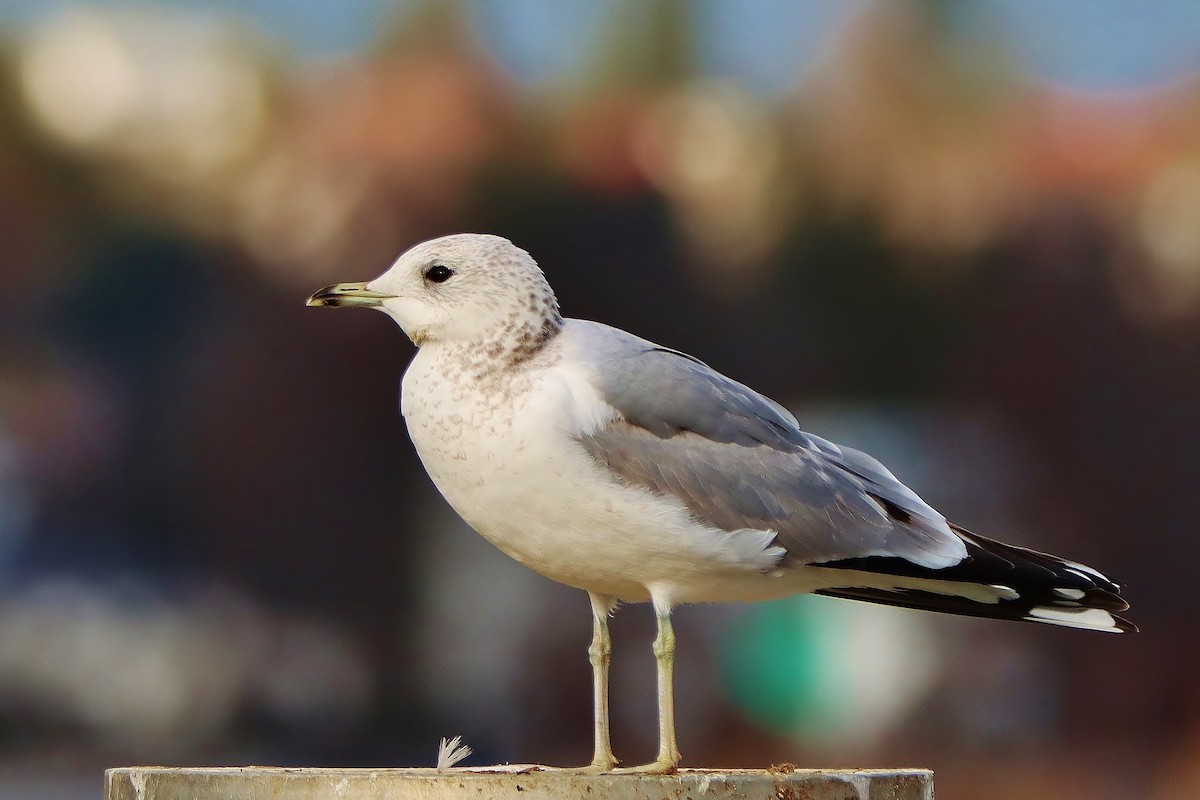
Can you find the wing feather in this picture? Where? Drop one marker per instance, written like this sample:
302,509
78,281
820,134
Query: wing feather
740,461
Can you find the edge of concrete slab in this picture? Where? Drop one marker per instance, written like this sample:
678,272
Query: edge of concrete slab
308,783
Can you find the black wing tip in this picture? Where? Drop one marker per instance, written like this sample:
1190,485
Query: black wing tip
1039,579
1074,614
1072,573
1103,599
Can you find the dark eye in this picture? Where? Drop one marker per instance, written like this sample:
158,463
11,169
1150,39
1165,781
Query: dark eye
438,273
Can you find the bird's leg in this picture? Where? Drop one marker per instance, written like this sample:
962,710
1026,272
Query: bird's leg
664,656
600,655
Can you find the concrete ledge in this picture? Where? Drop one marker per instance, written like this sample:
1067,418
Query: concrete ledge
257,783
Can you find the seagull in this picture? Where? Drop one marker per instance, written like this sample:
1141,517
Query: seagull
638,473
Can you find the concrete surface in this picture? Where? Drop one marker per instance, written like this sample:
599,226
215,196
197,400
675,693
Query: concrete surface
274,783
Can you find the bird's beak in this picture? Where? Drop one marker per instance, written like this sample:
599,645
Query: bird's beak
348,294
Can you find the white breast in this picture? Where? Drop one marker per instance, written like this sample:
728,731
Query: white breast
503,455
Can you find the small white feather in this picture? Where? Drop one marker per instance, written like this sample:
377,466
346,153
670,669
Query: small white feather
1095,619
451,752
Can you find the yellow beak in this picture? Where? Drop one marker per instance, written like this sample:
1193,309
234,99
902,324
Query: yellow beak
347,294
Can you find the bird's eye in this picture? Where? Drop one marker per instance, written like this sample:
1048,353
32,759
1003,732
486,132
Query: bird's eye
438,273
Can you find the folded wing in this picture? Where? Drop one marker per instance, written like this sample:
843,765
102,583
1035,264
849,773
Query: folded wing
739,461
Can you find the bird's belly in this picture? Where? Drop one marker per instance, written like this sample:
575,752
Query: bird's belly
557,512
539,512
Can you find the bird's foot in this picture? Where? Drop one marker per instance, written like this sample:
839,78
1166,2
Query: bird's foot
598,767
660,766
595,768
511,769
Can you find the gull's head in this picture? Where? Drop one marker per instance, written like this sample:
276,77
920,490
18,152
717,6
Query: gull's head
467,287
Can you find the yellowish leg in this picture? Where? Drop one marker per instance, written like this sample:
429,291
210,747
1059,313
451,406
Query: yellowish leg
600,656
664,656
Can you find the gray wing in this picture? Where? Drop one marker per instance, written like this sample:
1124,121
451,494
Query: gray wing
740,461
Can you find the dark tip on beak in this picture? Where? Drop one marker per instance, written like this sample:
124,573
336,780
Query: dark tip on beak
341,295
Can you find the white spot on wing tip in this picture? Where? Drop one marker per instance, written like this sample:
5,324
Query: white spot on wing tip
1070,594
1086,571
1095,619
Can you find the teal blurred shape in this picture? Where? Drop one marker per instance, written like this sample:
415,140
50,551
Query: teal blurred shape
777,669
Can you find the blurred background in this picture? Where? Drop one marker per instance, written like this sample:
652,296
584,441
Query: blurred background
970,231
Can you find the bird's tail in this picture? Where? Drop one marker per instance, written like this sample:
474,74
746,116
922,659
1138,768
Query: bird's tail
995,580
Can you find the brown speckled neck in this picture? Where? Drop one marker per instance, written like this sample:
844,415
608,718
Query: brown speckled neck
512,348
532,339
527,334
